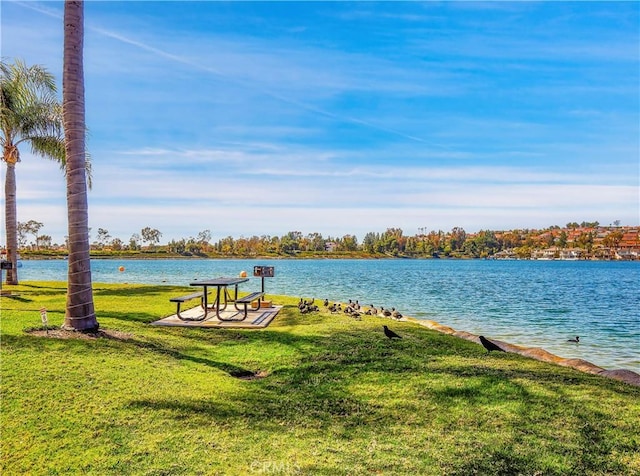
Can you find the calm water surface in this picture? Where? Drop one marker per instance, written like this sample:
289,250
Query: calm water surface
531,303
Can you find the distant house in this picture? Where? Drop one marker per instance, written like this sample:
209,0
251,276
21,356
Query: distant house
571,254
630,240
505,254
629,246
627,255
549,253
330,246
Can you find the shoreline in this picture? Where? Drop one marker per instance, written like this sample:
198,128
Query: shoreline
628,376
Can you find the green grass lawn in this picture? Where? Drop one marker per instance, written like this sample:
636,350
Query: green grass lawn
337,397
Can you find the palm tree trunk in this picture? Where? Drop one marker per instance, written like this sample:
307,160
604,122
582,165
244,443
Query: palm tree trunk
80,314
11,220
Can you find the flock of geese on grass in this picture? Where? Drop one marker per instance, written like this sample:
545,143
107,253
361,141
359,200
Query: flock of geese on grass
351,308
355,310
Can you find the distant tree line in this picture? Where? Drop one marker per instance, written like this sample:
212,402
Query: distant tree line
457,243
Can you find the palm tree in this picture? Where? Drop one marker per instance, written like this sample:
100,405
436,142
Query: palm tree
29,113
80,314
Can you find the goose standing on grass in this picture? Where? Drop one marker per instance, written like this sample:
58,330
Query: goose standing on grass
307,306
395,314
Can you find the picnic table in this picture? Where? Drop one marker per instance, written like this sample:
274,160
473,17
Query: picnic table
223,297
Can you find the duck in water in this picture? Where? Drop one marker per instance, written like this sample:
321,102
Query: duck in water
576,340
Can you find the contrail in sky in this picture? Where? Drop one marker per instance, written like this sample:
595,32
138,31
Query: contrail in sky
179,59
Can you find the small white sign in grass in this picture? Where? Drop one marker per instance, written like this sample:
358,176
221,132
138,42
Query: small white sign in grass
45,319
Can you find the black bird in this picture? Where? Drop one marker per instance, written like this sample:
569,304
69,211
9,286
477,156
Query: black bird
487,344
576,340
390,334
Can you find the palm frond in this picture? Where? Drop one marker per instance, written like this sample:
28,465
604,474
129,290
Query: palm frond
53,148
28,104
49,147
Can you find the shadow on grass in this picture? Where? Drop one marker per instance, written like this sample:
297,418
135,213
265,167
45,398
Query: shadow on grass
427,383
14,297
314,391
39,290
137,291
513,369
288,396
505,460
36,339
593,452
129,316
229,368
56,287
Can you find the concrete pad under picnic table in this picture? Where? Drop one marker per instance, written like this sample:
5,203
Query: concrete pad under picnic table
256,318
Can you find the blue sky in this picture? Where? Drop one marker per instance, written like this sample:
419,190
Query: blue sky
343,117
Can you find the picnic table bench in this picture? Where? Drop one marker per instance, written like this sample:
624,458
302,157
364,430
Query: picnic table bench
188,297
248,299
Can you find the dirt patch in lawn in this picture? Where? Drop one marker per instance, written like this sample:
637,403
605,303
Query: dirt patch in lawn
248,374
58,333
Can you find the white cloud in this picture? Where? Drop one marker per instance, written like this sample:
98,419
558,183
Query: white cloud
125,200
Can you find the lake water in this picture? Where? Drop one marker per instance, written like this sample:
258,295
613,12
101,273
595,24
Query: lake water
530,303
